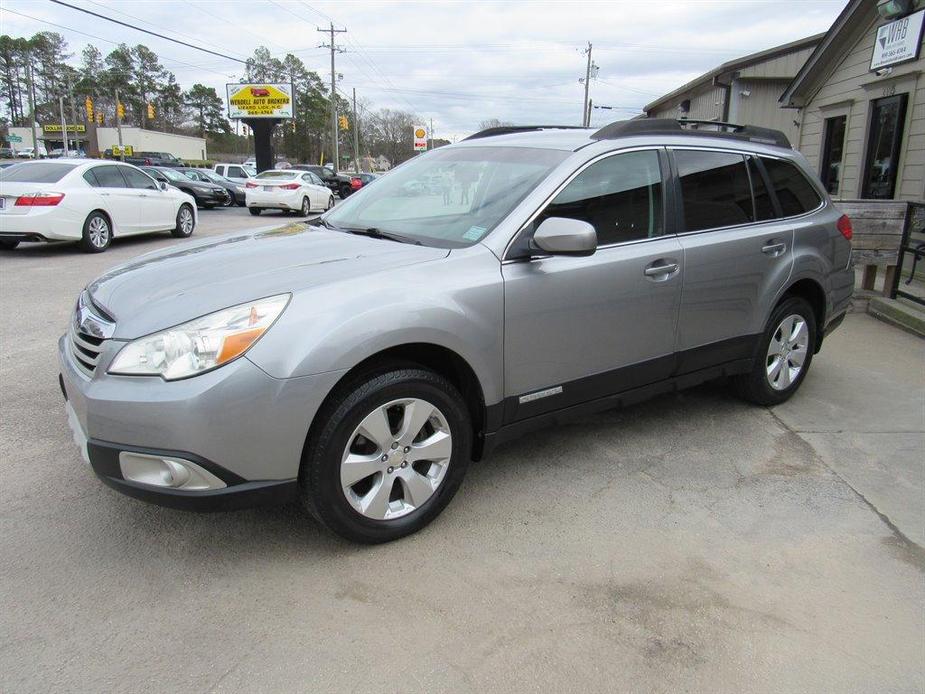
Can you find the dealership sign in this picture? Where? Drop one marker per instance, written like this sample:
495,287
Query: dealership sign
898,42
259,100
420,138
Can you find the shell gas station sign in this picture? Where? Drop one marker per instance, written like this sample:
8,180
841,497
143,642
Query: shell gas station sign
259,100
420,138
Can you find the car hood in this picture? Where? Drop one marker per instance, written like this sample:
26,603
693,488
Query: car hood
162,289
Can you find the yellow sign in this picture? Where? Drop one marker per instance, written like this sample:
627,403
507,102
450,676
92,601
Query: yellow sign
71,128
259,100
127,150
420,138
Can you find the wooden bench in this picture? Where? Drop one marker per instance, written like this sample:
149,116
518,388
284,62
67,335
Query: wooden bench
878,233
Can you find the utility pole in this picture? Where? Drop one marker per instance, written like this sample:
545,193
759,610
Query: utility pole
35,137
70,96
584,109
67,152
356,133
119,127
590,106
431,132
334,49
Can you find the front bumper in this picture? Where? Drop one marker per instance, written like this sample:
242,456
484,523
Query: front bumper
236,422
212,197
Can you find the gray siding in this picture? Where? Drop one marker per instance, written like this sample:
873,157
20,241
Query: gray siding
849,90
760,107
706,104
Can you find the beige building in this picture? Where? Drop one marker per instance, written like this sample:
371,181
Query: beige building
745,90
862,119
141,140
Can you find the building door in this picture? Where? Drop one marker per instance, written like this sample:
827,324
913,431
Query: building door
881,166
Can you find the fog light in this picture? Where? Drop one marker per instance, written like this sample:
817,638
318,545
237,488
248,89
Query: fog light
162,471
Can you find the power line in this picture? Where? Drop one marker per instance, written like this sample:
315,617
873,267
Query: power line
146,31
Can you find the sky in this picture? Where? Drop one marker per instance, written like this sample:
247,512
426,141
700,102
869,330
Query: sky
458,63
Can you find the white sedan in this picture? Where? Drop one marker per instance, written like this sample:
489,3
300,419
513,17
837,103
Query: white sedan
288,190
87,201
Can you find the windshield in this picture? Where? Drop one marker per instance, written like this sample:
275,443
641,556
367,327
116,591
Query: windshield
279,175
212,176
38,172
448,198
172,175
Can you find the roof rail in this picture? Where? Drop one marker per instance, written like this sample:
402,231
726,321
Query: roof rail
670,126
509,129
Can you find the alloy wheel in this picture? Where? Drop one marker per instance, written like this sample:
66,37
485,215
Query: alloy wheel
98,231
787,352
186,221
396,459
306,207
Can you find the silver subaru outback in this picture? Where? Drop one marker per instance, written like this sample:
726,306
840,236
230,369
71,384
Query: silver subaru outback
359,362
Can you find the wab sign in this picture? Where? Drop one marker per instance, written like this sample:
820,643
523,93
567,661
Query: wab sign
259,100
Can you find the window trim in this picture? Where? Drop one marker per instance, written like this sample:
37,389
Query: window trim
664,170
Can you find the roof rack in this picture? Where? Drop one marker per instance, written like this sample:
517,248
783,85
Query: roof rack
670,126
509,129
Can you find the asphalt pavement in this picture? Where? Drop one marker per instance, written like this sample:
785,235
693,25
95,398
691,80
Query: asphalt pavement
692,543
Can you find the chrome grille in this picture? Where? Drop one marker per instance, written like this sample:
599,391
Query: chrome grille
85,349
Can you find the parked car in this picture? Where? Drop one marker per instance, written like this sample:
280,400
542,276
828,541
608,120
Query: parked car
155,159
365,179
89,201
239,173
288,190
337,183
6,152
235,190
207,195
30,153
359,364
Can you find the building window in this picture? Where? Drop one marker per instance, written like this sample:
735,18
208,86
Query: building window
833,148
885,138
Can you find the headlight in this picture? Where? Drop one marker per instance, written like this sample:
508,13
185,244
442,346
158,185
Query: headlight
202,344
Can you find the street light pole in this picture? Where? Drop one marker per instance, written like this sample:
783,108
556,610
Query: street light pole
67,152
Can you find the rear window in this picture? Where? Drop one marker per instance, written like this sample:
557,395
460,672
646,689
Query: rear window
37,172
794,192
715,189
278,174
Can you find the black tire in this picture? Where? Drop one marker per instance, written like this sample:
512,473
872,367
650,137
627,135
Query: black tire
330,203
96,226
306,207
184,229
230,202
345,192
755,386
319,476
8,245
254,210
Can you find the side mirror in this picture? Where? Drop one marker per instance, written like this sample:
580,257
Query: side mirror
163,186
564,236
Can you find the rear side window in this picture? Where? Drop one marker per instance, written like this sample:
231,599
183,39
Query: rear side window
620,196
795,193
764,207
109,177
36,172
90,178
714,188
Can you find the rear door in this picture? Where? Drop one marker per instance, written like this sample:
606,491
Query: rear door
580,328
737,255
121,201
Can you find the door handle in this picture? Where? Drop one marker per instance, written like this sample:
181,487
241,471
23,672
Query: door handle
105,195
774,249
660,271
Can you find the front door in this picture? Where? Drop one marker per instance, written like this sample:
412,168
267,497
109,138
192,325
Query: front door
155,207
121,202
581,328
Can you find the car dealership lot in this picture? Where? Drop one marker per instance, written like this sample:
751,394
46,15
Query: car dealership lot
690,543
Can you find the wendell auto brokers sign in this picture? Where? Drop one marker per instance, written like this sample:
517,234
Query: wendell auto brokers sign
259,100
898,42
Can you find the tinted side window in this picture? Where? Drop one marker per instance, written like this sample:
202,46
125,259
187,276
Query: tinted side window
714,188
620,196
795,194
764,207
109,177
136,179
90,178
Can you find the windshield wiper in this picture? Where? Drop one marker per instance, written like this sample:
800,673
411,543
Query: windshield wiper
377,233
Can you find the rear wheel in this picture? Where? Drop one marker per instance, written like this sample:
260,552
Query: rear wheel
97,233
185,222
254,210
784,354
8,245
388,455
306,207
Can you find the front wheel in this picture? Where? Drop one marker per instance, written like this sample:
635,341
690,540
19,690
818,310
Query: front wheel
387,455
330,203
97,233
254,210
784,354
230,202
185,222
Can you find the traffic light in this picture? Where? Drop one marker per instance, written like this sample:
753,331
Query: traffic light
88,105
99,117
344,125
120,110
150,111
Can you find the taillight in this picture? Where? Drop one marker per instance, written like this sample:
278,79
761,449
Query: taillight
844,226
290,186
39,200
356,183
250,184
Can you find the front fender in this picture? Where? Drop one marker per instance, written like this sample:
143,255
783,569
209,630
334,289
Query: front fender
455,302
